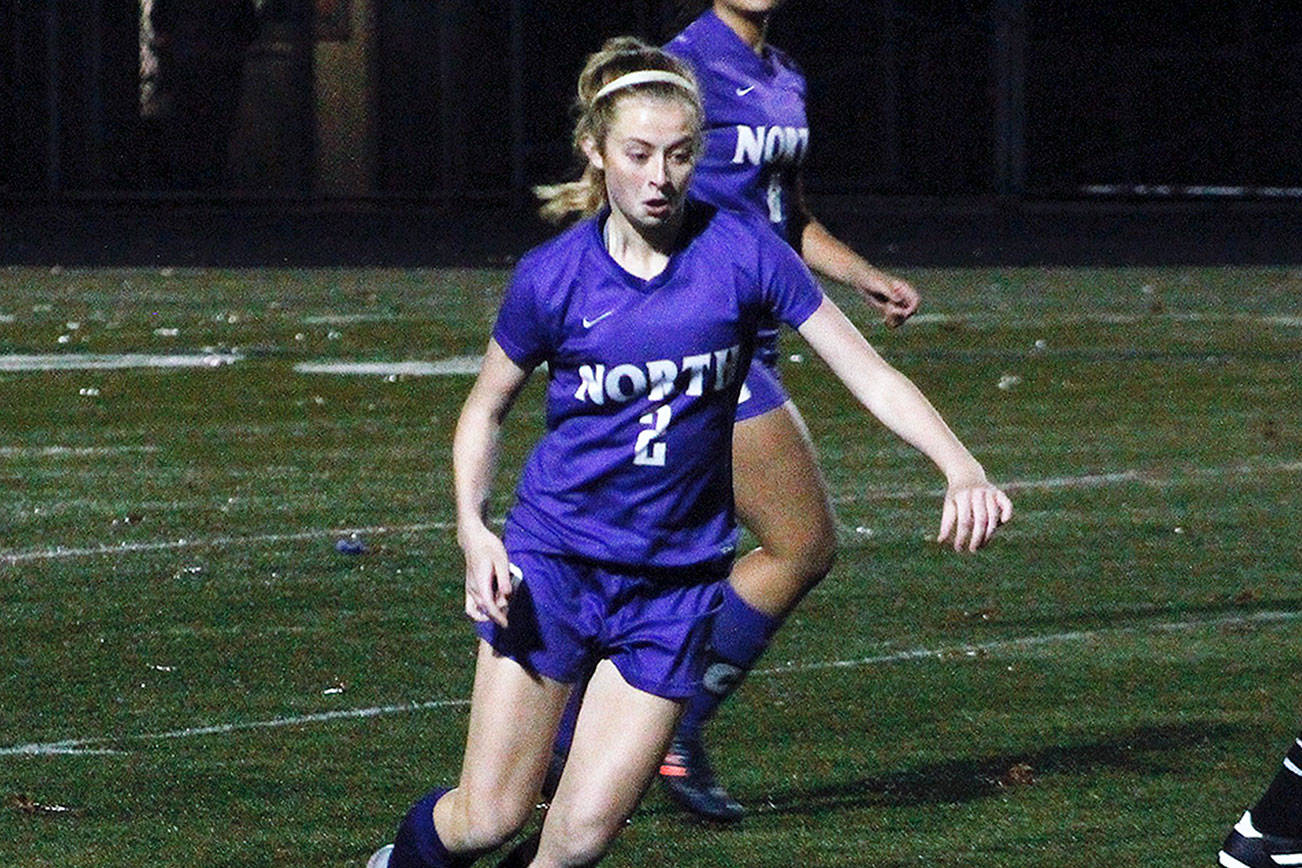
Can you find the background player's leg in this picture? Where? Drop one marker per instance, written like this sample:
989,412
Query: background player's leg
782,499
619,738
513,715
564,736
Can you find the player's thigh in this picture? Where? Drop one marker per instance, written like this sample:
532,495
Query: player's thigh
513,718
619,741
779,490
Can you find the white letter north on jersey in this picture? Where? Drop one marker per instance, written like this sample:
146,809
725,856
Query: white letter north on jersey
725,367
616,378
590,384
658,379
662,374
698,365
765,144
750,145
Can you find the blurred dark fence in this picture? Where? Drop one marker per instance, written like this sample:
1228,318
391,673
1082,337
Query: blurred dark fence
1020,98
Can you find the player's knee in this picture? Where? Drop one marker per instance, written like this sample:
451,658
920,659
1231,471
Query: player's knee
818,552
827,558
581,838
492,821
807,549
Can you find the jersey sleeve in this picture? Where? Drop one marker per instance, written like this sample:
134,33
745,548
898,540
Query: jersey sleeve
789,288
521,330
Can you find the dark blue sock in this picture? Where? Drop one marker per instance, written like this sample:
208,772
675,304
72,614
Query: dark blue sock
738,637
417,844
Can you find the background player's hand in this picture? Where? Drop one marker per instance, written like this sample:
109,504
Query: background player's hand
972,514
488,576
895,298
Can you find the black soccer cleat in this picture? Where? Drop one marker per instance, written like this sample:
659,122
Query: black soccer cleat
689,780
1245,847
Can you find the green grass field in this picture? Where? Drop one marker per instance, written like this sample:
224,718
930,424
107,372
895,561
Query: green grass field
192,671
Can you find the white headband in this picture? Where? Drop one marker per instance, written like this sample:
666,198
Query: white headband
645,76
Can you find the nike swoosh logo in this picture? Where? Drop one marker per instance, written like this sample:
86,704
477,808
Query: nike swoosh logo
742,91
589,323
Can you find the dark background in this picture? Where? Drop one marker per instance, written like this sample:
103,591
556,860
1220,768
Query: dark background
957,131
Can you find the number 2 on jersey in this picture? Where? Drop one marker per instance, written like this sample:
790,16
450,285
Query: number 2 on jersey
649,449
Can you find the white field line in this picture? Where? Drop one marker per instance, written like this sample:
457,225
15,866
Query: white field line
1084,481
106,362
71,451
952,652
59,552
1093,480
1028,643
23,508
1176,475
353,318
85,745
455,366
986,318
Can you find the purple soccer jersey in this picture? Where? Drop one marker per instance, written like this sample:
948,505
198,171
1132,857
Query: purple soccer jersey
635,467
756,132
756,137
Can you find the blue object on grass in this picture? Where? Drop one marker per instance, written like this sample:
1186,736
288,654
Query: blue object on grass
350,546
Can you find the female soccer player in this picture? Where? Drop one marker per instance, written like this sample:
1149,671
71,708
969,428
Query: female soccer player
620,540
756,138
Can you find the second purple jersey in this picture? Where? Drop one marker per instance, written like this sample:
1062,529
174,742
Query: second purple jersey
756,131
643,378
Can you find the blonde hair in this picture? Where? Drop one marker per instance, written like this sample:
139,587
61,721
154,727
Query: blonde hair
618,57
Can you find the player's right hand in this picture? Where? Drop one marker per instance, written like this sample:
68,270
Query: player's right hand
895,298
488,576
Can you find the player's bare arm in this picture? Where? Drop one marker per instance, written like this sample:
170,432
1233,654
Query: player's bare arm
974,508
474,460
829,256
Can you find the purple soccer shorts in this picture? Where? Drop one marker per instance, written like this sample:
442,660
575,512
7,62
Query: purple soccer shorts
566,614
761,392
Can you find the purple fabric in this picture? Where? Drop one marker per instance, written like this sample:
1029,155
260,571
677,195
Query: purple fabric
756,133
417,843
566,614
635,467
762,392
739,634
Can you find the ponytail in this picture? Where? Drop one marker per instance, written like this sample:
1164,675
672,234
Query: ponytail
583,197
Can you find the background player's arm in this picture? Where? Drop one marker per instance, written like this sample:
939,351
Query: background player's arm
831,257
474,461
973,507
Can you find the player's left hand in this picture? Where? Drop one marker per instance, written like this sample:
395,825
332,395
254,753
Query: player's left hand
488,575
972,514
895,298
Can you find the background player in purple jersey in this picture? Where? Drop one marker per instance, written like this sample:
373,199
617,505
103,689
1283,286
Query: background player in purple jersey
756,139
620,539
